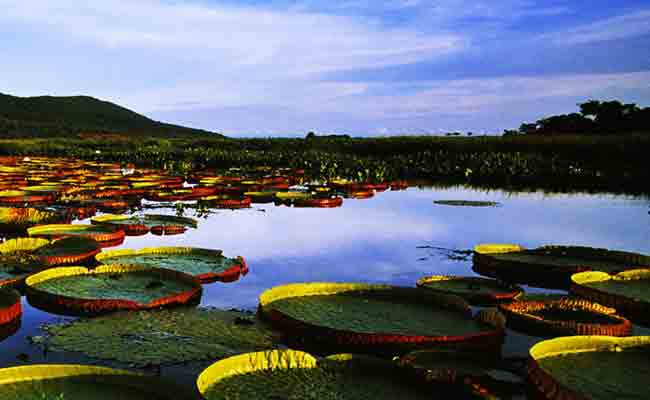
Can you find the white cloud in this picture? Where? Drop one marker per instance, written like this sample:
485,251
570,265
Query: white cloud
615,28
356,108
275,42
465,96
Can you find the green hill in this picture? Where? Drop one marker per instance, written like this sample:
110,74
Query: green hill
48,116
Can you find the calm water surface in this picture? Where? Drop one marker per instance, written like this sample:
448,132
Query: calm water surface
389,238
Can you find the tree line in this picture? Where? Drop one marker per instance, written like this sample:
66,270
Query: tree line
595,118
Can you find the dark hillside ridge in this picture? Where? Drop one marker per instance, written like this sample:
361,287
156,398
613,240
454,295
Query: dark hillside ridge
82,116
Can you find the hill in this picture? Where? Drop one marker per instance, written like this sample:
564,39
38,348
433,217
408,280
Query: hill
82,116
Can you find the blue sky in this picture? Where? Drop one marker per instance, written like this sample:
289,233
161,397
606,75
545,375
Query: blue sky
280,67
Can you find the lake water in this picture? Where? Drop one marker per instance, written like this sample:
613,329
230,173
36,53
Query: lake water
390,238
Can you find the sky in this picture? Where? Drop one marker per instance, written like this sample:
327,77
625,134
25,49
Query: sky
361,67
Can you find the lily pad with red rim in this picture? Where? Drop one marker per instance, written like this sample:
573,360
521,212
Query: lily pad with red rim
109,288
207,265
590,367
378,318
550,266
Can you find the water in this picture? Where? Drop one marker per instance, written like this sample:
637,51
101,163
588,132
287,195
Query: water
378,240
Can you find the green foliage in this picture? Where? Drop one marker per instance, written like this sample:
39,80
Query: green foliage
163,337
595,117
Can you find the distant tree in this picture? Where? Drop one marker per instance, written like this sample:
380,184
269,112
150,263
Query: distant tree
528,128
595,117
310,135
511,132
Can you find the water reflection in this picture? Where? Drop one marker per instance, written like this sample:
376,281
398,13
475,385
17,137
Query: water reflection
377,239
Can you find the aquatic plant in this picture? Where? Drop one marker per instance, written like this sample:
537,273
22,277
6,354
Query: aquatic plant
163,336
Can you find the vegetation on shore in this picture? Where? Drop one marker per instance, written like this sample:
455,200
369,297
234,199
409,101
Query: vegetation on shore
567,161
533,158
595,118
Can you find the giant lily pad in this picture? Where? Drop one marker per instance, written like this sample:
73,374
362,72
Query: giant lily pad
377,318
107,236
550,266
477,291
290,374
10,312
81,382
136,225
205,264
163,336
108,288
564,317
591,367
68,250
628,292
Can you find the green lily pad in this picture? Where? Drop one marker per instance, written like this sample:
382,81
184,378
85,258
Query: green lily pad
64,230
106,235
205,264
628,291
163,336
148,220
376,318
638,289
79,382
598,368
551,266
296,375
69,246
30,254
477,291
466,203
142,286
359,313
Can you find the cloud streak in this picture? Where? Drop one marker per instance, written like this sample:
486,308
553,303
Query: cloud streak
288,42
615,28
